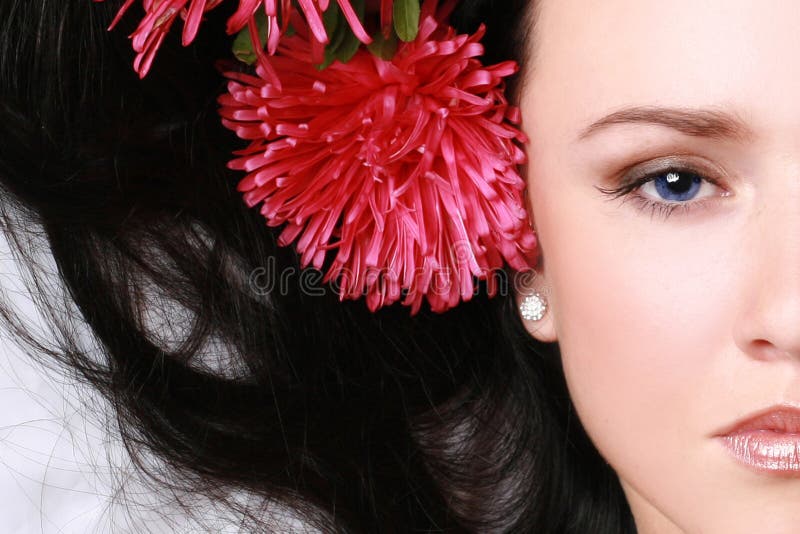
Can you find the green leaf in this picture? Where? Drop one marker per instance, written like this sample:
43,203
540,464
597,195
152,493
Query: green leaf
330,19
343,43
330,56
348,48
243,45
406,19
336,28
383,47
350,45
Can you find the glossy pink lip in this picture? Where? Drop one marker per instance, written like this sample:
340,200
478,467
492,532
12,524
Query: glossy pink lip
768,442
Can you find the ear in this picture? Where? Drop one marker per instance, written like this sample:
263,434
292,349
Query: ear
526,284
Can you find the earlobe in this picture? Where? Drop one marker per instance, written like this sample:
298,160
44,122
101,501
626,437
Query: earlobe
536,312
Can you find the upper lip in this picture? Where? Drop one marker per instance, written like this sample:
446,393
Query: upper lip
779,418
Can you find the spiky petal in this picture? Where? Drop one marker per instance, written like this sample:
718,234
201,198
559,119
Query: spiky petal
160,15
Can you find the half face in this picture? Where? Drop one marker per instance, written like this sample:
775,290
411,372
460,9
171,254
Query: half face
664,184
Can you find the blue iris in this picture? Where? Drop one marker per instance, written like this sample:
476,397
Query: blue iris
677,185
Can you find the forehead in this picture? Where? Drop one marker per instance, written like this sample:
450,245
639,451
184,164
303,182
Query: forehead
594,56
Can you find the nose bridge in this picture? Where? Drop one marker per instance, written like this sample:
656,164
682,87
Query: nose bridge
771,319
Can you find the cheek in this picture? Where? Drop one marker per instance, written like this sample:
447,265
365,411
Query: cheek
629,327
642,310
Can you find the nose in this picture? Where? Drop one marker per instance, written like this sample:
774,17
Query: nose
769,325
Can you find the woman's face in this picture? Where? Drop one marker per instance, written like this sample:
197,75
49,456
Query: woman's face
677,306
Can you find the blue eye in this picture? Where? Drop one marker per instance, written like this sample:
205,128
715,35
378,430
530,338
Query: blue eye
677,186
662,192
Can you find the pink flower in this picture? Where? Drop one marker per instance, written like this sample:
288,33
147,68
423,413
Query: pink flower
406,168
161,14
158,19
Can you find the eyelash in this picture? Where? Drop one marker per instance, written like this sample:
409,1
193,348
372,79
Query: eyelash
656,207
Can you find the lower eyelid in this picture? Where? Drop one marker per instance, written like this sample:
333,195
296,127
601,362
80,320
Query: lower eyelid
665,208
705,184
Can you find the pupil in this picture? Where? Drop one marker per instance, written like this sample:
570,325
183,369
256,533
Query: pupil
678,184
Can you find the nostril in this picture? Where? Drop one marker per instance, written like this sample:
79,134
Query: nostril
763,350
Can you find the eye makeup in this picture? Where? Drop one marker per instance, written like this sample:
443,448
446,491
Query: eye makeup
674,176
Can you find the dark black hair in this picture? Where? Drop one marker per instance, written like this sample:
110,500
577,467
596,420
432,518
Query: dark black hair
359,421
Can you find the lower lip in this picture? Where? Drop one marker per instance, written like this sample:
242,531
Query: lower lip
766,451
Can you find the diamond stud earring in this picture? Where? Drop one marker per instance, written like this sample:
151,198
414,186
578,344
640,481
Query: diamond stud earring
533,307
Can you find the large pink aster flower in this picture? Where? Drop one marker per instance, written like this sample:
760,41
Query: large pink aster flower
407,168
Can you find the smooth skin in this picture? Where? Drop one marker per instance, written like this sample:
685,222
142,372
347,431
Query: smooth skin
674,327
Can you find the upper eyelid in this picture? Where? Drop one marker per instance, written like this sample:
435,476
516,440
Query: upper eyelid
633,176
629,181
710,171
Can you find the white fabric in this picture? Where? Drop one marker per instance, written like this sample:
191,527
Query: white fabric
62,468
56,455
54,477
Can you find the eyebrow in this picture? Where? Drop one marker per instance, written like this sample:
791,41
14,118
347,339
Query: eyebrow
706,122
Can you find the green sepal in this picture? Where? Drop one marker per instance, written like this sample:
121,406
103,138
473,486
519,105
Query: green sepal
406,19
348,48
243,45
384,47
330,19
336,32
343,43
